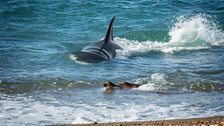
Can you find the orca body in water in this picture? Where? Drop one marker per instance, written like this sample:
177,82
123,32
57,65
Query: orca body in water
99,51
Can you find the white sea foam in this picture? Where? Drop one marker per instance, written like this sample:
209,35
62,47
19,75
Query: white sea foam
158,77
155,82
28,110
195,31
187,33
147,87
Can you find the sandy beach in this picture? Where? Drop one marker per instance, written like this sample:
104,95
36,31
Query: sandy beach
209,121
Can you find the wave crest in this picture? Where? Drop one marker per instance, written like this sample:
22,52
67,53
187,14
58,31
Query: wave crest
187,33
199,30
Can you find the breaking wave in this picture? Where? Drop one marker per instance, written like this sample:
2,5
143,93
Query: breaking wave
163,83
187,33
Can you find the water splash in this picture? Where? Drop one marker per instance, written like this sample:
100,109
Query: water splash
187,33
155,82
194,31
163,83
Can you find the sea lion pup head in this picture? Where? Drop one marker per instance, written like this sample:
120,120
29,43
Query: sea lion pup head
127,85
109,86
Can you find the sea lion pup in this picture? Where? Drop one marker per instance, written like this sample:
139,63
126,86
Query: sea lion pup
109,86
127,85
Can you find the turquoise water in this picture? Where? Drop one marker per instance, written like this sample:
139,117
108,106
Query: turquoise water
174,49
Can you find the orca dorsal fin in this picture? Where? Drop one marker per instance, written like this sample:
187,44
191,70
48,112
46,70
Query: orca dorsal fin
109,35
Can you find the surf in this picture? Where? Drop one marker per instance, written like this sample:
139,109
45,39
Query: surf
186,33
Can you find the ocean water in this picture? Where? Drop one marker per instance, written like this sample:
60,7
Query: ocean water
174,49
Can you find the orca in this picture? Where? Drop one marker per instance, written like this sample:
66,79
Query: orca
104,49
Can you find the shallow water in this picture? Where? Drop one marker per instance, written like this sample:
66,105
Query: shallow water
174,49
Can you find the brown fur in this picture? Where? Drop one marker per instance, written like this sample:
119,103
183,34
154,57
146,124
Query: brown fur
127,85
109,86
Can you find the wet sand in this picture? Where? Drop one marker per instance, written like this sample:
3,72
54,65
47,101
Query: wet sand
209,121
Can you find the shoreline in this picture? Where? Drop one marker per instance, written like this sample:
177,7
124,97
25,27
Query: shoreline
207,121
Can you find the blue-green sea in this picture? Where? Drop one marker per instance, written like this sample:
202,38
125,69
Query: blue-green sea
173,48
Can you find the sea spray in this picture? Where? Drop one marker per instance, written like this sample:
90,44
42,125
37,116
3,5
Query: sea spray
198,30
155,82
187,33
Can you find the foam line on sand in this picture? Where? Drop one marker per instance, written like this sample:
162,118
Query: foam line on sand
209,121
